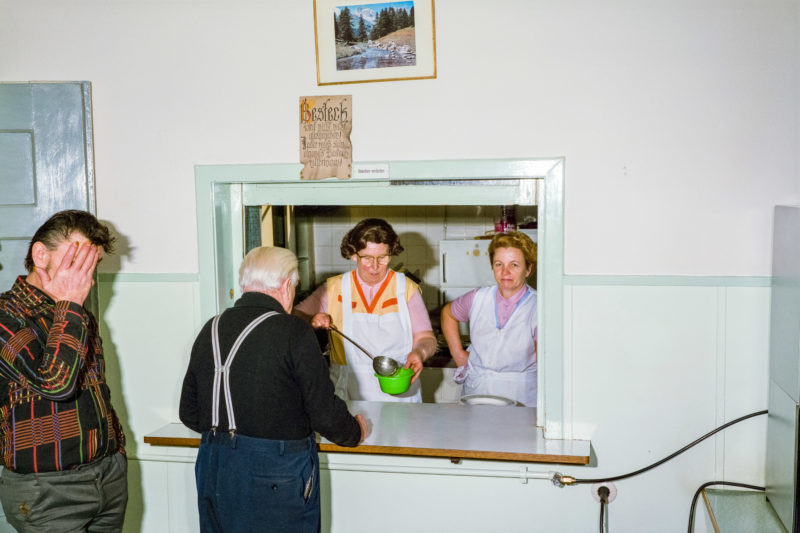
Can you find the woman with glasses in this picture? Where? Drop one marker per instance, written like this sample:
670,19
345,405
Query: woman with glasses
501,359
379,308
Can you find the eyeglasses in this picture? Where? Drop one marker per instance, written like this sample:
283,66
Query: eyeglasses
368,260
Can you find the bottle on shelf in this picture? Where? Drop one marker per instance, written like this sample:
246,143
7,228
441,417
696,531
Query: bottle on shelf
508,219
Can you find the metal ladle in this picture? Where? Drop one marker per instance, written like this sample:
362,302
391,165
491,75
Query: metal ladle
381,364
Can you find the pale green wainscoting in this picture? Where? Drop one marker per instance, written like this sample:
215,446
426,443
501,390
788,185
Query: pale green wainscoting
148,323
650,364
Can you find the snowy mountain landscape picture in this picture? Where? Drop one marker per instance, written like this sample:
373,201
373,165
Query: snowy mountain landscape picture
375,35
376,41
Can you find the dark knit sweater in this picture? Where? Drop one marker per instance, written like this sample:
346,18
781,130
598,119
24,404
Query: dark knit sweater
279,380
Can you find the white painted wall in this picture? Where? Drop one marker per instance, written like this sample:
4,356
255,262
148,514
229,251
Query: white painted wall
648,369
679,123
678,119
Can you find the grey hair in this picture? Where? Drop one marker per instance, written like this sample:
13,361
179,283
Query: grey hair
264,268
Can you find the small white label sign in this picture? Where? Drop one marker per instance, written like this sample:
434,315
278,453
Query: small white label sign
371,171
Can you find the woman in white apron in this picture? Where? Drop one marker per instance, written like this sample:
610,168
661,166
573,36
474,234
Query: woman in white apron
379,308
501,359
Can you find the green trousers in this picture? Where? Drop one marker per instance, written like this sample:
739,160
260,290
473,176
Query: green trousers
90,498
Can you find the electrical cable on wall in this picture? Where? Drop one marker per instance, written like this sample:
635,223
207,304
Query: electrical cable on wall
704,485
603,492
560,480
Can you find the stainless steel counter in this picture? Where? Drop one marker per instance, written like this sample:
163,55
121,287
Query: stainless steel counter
437,430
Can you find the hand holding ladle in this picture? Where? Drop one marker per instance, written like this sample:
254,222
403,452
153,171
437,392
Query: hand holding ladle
381,364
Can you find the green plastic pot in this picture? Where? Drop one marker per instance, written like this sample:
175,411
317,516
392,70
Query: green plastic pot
397,383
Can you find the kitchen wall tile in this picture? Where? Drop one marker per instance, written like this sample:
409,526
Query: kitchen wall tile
456,231
322,231
323,255
431,299
339,229
434,231
435,212
435,256
342,264
412,238
359,213
420,229
395,214
402,257
416,213
419,255
431,275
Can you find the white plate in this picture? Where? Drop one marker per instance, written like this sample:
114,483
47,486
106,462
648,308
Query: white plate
485,399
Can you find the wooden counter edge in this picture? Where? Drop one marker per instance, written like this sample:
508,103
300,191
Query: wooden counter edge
193,442
186,442
458,454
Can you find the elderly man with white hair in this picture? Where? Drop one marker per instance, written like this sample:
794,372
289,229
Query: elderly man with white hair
257,388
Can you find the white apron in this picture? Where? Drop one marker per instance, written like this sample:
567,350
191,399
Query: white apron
388,334
502,362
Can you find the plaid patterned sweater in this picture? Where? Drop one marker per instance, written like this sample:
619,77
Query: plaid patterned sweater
55,406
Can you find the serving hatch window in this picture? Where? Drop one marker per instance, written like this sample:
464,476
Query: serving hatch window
445,247
426,202
445,253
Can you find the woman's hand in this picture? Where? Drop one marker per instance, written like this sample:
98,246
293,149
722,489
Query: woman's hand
414,362
451,334
460,356
424,346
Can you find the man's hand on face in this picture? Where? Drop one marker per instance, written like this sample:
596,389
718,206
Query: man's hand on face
72,279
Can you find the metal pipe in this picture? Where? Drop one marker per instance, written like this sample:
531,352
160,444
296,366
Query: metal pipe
523,474
288,229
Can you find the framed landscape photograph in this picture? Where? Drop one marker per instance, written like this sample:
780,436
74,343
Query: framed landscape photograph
360,41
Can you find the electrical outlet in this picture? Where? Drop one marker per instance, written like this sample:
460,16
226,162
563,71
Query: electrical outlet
612,491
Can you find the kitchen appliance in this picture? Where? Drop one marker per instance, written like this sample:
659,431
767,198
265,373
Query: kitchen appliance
783,448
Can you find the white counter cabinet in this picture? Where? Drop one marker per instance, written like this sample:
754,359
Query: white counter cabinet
410,459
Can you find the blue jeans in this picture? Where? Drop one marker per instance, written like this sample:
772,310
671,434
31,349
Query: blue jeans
246,484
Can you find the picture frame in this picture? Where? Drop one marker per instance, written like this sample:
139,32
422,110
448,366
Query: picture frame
388,40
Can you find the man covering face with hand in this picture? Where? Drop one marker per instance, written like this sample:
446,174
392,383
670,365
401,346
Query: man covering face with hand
62,444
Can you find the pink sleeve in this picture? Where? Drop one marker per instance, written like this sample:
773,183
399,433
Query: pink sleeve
460,307
420,320
316,302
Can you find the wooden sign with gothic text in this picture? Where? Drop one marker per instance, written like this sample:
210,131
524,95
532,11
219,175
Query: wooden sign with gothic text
325,126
